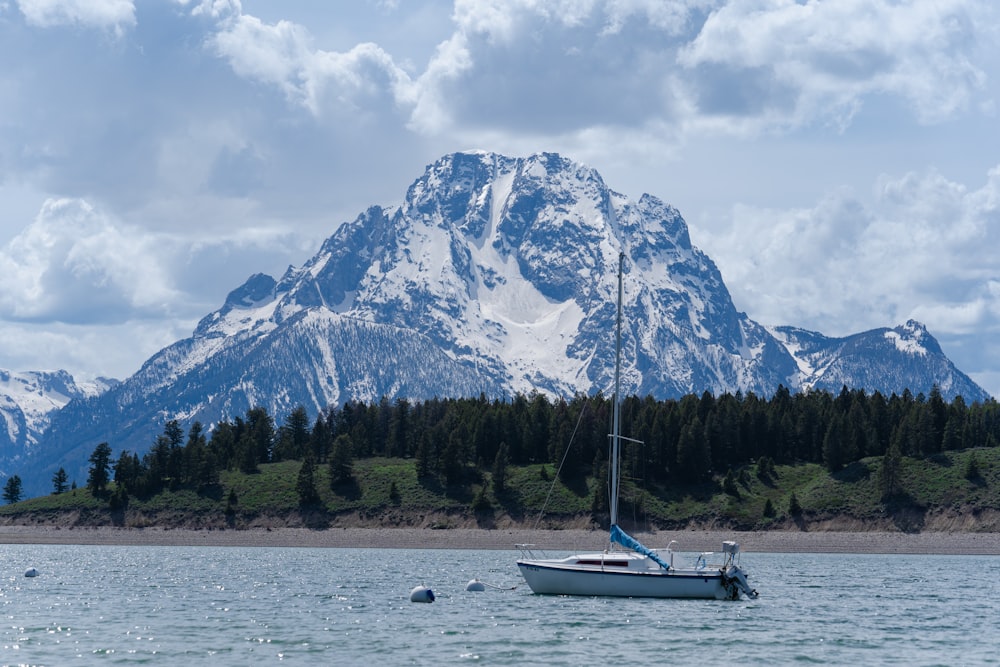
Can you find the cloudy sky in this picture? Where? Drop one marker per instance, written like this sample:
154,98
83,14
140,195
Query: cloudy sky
838,159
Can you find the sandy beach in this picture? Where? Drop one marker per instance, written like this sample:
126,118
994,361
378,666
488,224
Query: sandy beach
552,540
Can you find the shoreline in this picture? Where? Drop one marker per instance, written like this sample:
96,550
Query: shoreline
875,542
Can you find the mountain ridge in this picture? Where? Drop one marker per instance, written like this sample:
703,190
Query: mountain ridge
29,399
495,276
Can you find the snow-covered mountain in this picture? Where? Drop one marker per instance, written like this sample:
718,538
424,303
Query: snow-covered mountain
494,275
905,357
28,400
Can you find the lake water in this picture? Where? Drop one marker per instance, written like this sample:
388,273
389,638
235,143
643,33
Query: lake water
248,606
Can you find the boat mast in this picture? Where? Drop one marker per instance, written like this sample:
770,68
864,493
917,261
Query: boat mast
616,408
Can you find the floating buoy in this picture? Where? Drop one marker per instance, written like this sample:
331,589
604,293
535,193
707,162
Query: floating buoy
476,585
31,572
421,594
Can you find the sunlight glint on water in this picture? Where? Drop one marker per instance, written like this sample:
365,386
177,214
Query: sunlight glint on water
239,606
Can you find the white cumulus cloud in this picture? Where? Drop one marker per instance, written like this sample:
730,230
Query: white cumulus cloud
791,63
73,264
925,248
113,14
282,54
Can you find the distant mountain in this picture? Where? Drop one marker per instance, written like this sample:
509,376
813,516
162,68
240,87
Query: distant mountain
495,275
28,400
905,357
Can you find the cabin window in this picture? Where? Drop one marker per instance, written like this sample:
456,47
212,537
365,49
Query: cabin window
605,563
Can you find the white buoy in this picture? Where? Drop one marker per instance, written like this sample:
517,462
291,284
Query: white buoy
31,572
475,585
421,594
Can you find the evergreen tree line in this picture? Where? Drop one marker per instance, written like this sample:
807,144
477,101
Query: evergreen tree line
684,440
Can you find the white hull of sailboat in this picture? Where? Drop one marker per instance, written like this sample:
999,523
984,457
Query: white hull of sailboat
556,579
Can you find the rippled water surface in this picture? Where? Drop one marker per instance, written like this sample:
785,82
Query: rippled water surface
240,606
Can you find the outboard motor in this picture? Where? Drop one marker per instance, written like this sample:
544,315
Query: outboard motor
733,577
736,583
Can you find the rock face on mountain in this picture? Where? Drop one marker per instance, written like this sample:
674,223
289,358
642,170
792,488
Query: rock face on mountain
495,275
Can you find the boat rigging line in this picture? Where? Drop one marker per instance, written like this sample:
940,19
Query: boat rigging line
569,445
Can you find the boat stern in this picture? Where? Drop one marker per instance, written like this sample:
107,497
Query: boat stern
735,581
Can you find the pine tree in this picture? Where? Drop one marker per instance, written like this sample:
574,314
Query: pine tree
231,502
425,456
500,470
293,436
247,456
453,458
320,440
341,461
118,500
729,484
794,508
157,463
599,500
260,430
175,453
196,458
128,472
305,485
972,468
174,433
480,502
951,438
768,508
12,490
833,445
60,481
765,469
927,437
225,435
693,456
890,472
399,435
536,438
99,474
486,437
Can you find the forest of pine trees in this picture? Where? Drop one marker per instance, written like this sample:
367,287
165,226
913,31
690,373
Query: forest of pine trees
685,440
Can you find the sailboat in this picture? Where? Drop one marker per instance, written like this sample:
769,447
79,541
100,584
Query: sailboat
627,568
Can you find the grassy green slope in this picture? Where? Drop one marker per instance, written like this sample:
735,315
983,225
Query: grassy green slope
936,494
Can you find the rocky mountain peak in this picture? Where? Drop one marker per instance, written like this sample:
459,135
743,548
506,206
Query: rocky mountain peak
493,275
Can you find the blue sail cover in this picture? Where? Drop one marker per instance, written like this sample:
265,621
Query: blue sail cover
619,536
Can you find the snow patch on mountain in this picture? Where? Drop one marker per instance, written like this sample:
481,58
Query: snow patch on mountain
907,345
809,363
